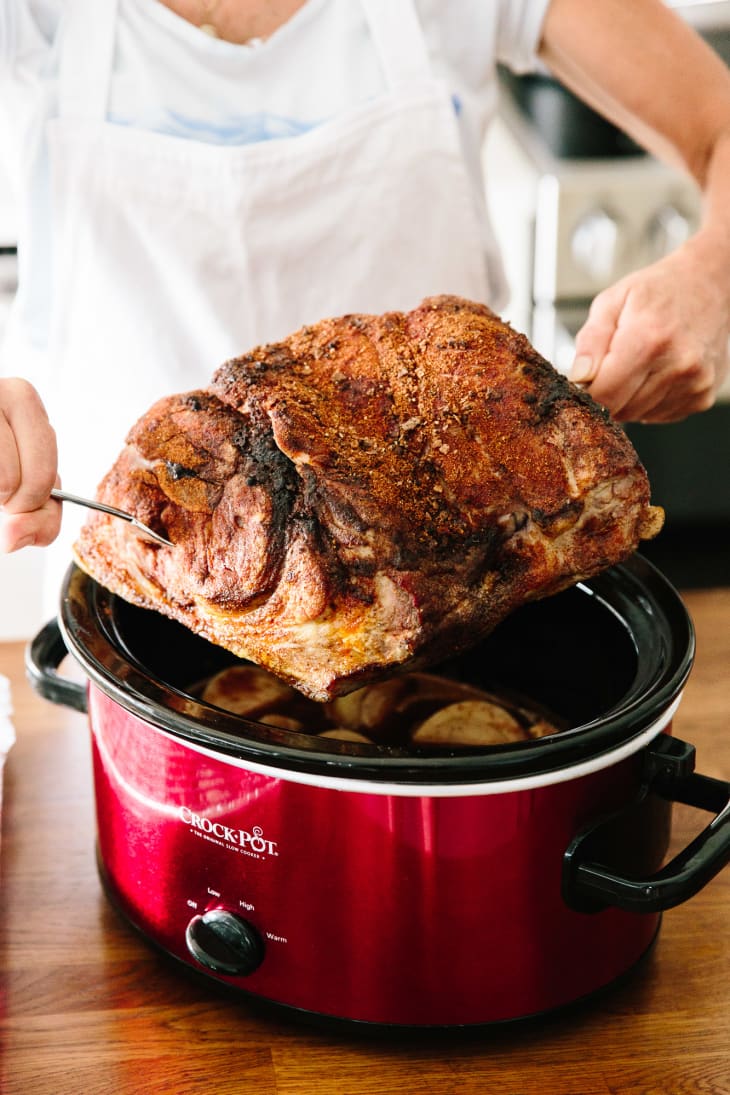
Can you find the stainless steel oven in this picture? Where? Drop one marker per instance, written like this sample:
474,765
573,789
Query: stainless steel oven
8,280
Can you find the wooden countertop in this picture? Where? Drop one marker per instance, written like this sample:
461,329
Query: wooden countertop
87,1008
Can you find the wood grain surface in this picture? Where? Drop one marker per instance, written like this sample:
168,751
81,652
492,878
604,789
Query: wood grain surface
88,1008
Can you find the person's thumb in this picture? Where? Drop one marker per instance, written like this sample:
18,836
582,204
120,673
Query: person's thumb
593,341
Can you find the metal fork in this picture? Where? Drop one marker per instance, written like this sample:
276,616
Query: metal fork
90,503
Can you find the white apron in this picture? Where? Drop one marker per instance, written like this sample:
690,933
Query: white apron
170,256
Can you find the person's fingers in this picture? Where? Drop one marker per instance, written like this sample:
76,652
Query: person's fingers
28,468
656,371
652,367
655,346
659,401
28,452
593,341
641,349
37,528
9,460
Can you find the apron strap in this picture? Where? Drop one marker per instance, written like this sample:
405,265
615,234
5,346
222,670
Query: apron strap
399,40
86,58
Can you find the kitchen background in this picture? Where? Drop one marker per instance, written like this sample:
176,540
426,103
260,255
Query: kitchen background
575,206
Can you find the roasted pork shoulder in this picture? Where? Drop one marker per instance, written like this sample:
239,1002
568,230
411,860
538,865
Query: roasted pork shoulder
370,495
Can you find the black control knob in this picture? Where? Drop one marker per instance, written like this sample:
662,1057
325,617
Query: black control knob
225,942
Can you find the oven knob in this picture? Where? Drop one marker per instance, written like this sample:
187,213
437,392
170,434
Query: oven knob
595,243
225,942
669,228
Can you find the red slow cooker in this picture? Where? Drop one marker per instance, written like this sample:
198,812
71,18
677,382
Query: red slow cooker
364,883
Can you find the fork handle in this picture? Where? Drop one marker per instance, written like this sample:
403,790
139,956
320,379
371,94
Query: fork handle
90,503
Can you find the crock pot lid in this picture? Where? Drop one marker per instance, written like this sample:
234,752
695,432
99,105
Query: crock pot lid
87,622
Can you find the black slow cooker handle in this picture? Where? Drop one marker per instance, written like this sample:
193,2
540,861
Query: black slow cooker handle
43,656
589,885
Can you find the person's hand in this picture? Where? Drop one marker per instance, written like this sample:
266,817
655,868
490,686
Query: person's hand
28,468
655,345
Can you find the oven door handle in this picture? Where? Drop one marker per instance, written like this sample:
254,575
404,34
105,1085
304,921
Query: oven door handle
589,885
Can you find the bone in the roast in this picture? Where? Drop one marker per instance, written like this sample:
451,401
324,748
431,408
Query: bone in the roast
372,494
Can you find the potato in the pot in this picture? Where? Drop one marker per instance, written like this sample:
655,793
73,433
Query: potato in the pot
473,723
419,710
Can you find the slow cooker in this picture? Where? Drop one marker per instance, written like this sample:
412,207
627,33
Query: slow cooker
378,886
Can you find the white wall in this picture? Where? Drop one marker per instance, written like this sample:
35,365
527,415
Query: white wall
21,613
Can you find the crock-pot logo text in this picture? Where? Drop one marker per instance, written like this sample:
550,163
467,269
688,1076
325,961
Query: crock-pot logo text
247,843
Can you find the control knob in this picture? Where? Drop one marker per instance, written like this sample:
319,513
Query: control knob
594,244
223,941
669,228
